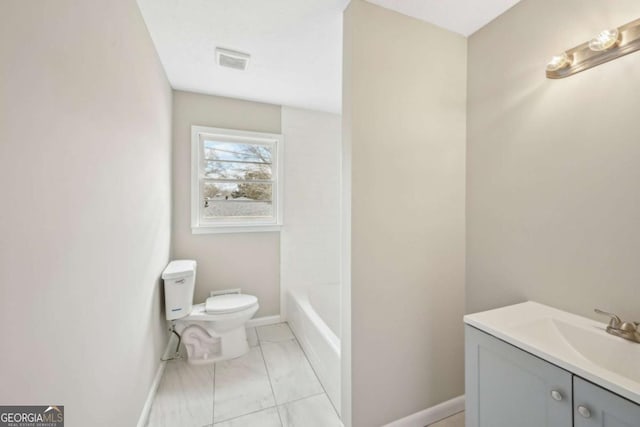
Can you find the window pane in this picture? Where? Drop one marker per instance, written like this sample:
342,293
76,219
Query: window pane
223,199
239,192
237,152
246,171
236,209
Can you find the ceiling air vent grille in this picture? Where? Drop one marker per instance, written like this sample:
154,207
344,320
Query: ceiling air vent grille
232,59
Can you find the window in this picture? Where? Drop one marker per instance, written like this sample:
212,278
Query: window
236,183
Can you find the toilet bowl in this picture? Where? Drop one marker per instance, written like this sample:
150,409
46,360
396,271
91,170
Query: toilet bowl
211,331
227,324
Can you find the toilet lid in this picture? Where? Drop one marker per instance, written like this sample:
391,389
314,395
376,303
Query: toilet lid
229,303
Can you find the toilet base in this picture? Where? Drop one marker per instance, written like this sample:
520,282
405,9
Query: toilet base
211,338
205,346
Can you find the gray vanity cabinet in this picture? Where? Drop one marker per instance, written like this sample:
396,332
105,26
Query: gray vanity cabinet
507,387
597,407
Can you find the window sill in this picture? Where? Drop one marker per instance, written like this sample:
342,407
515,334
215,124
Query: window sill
227,229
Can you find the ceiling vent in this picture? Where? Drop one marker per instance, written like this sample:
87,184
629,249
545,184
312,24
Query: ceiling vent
232,59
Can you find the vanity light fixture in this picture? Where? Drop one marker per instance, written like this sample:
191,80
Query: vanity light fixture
559,62
605,40
605,47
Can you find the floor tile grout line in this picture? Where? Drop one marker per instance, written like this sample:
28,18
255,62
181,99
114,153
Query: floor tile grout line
316,374
247,414
276,406
295,338
269,407
183,372
260,340
266,368
213,410
300,398
305,357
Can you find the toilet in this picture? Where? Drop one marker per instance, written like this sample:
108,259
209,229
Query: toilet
211,331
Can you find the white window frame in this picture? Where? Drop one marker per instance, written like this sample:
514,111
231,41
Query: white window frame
200,226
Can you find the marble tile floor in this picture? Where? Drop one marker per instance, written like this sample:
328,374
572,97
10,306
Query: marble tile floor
271,386
456,420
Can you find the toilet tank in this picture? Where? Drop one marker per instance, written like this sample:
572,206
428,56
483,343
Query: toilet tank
179,283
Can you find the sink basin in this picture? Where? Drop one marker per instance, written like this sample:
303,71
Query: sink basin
575,343
595,344
591,342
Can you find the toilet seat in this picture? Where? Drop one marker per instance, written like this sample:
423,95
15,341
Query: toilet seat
198,314
229,303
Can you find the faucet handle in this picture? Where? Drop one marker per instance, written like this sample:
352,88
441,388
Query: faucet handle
614,320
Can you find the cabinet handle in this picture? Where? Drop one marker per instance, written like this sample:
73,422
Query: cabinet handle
556,395
584,411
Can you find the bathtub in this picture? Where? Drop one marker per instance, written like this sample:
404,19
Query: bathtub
314,316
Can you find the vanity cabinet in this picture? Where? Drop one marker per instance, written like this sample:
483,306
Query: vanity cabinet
508,387
597,407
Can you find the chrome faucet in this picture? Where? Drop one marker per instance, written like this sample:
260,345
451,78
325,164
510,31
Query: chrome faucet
627,330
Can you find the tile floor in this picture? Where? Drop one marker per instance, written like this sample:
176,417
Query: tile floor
456,420
271,386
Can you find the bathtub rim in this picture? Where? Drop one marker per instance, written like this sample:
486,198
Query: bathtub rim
302,298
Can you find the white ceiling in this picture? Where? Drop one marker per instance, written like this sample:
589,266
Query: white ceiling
295,48
295,45
460,16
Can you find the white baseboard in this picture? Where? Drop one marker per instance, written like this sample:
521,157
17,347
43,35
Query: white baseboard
264,321
431,415
144,416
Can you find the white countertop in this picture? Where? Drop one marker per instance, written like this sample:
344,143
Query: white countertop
577,344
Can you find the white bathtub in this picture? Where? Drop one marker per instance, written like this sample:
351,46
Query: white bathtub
306,314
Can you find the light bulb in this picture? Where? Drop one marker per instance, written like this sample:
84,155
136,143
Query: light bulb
605,40
559,62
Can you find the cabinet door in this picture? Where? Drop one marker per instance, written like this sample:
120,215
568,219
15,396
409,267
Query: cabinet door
597,407
508,387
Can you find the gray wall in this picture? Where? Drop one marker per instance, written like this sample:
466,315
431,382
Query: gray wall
250,261
553,199
404,121
85,144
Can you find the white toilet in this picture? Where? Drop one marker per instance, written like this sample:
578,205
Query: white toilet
211,331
